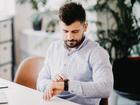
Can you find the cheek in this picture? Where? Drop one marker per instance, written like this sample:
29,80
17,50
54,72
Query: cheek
79,36
64,37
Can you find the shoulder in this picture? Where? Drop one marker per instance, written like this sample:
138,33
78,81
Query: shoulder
96,49
98,54
95,46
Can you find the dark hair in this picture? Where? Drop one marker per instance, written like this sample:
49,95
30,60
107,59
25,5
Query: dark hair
72,12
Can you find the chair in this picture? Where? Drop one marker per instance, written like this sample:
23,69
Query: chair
28,70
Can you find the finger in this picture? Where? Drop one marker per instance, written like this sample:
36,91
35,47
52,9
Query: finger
52,93
58,78
63,76
45,96
48,95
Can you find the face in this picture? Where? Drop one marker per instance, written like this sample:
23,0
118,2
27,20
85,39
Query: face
73,33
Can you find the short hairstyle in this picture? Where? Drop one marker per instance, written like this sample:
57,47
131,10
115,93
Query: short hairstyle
72,12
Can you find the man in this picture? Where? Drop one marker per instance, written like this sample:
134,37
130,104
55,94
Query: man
76,68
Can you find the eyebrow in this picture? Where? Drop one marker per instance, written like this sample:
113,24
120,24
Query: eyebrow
75,30
65,30
72,30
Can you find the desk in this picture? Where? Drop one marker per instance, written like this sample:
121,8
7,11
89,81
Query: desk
19,95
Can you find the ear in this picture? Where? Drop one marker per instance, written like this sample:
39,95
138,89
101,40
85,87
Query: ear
85,26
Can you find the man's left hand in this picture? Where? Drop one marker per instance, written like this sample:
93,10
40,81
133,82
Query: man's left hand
54,89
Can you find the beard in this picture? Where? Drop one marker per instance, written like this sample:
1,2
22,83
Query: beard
73,43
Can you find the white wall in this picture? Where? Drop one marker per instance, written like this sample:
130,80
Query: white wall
22,21
7,7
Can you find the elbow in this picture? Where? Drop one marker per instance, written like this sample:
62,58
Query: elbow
109,89
109,86
108,93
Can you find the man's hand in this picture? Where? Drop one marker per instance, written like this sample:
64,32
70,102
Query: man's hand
55,88
59,78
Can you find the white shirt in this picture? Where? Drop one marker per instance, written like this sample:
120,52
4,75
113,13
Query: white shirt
88,69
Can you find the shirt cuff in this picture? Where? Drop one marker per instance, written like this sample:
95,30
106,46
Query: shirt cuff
75,87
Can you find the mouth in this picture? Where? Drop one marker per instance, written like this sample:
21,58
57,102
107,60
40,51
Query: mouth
71,43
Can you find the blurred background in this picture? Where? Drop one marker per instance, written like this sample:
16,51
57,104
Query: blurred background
27,27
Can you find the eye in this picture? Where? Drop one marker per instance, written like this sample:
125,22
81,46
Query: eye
65,31
75,31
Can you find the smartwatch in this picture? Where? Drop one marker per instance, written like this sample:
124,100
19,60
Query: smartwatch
66,85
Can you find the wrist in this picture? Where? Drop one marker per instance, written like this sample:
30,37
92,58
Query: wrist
59,85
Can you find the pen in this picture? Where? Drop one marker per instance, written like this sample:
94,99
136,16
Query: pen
3,87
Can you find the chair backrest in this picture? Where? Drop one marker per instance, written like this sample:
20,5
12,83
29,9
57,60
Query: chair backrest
28,70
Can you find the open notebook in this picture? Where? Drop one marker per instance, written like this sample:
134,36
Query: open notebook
3,99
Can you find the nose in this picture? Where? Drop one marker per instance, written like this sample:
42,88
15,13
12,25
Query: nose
70,36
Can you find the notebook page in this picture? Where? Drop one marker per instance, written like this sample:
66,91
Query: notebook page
3,99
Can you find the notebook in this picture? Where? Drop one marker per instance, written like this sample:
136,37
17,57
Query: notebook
3,99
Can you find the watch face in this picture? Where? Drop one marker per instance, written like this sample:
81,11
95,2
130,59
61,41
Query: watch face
66,85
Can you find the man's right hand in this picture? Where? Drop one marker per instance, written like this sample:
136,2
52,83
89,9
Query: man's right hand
59,78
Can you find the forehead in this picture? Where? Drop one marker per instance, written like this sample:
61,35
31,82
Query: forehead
74,25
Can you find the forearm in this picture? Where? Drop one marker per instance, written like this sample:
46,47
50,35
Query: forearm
101,86
91,89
